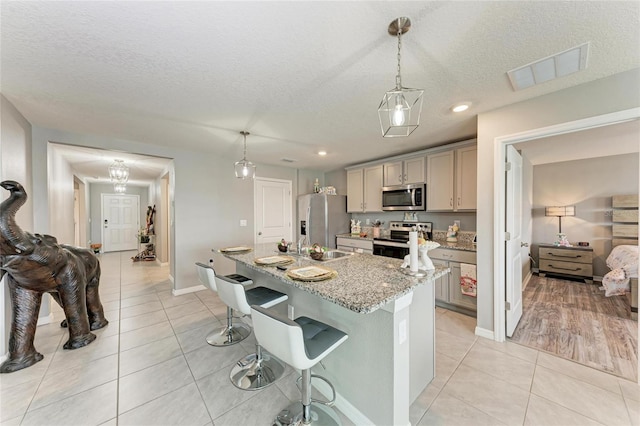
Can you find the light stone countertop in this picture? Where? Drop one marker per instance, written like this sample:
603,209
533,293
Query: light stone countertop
353,237
364,282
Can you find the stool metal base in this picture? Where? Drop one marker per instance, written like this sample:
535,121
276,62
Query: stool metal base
249,373
320,415
224,337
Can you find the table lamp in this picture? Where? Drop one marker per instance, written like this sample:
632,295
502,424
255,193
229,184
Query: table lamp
560,212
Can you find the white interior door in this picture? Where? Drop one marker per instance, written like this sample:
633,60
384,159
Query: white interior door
513,239
273,210
120,222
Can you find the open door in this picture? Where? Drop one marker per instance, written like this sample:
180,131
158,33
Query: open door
513,239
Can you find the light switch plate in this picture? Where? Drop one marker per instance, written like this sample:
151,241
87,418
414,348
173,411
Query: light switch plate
243,222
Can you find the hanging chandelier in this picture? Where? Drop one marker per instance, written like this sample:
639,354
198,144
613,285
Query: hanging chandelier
244,168
400,109
120,187
118,172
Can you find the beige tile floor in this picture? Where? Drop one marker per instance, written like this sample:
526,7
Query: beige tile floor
152,366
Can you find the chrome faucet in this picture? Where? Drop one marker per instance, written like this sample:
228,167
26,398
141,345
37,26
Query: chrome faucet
300,243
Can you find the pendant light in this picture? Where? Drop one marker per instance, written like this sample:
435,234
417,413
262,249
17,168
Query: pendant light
118,172
120,187
400,109
244,168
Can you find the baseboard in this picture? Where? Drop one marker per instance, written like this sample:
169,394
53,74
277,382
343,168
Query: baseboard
161,263
181,291
526,280
351,412
483,332
171,279
4,357
45,320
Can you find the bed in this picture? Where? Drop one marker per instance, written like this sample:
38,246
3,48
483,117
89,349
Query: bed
623,259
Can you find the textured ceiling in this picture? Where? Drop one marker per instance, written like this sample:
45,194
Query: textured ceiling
300,76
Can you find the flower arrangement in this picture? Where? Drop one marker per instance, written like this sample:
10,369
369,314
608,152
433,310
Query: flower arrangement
317,251
283,246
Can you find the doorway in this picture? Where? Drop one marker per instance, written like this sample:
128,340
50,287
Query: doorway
120,222
502,262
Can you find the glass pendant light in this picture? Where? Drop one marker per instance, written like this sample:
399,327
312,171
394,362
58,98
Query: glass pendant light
244,168
400,109
118,172
120,187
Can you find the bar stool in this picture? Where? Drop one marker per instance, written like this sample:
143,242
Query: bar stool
231,333
258,370
302,344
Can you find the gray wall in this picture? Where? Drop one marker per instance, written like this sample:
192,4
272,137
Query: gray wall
15,164
96,190
611,94
207,200
589,185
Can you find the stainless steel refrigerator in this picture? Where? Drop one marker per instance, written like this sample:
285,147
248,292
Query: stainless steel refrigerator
321,217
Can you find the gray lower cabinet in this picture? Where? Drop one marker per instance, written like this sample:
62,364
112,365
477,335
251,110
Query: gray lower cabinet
362,245
447,287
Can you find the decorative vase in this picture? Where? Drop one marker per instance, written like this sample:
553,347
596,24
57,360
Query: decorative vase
425,261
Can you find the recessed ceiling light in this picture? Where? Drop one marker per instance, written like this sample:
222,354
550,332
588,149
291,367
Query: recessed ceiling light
322,153
461,107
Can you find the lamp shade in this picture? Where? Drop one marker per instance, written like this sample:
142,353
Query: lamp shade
399,112
560,211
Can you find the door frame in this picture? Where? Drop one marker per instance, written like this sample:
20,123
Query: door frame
499,200
255,204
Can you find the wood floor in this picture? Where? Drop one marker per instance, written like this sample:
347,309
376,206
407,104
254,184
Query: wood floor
576,321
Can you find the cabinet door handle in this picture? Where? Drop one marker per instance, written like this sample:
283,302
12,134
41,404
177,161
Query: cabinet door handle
451,202
400,178
404,177
565,256
458,201
565,269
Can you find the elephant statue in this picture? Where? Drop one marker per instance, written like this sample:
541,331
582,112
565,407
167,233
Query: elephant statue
37,264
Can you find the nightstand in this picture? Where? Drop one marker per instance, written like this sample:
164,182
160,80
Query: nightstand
566,261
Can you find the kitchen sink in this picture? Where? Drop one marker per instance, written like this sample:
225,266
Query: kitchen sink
335,255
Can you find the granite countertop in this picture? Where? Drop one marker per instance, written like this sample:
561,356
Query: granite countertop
364,283
460,245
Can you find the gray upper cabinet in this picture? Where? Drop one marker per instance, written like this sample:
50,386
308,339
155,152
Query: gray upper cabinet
364,190
403,172
451,180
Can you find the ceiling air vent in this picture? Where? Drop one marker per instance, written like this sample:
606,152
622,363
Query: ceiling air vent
549,68
288,160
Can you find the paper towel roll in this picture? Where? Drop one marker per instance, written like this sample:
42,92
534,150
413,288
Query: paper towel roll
413,251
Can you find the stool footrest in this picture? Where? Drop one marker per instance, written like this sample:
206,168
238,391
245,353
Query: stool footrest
319,401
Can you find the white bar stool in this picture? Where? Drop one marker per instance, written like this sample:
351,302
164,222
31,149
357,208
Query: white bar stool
231,333
302,344
259,370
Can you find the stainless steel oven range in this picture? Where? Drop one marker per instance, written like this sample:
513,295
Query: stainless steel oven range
396,245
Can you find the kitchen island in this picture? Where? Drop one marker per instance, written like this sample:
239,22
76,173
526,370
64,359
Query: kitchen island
390,319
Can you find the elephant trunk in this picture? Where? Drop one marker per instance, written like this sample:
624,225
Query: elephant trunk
12,238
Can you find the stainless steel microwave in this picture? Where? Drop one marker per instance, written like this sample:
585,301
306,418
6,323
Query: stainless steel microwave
404,197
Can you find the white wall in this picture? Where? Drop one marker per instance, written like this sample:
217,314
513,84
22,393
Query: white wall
611,94
587,184
60,198
15,164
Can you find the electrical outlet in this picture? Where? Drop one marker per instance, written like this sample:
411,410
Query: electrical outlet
457,223
243,222
290,312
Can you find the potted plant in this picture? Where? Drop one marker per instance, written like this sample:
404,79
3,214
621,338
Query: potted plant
283,246
317,251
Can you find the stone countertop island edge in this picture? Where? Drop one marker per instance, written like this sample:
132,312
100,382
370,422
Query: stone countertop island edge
350,288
